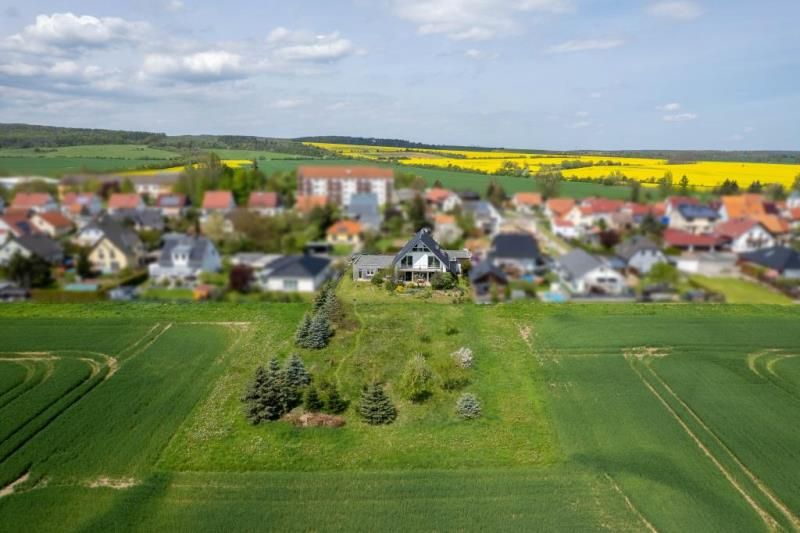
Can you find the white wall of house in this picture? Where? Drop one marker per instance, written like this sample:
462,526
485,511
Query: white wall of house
753,239
293,284
10,248
609,279
421,260
180,268
696,225
88,237
566,232
644,260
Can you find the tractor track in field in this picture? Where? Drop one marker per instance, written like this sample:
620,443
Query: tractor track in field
614,485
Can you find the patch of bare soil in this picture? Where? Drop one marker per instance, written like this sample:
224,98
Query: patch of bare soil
315,420
643,352
9,489
107,482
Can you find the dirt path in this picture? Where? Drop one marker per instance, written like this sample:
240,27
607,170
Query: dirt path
9,489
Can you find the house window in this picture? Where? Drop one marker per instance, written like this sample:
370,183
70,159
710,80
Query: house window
290,284
407,261
419,248
433,262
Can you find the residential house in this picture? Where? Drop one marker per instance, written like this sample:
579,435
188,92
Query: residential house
118,248
696,219
526,202
266,204
78,205
691,242
742,206
565,229
172,205
417,261
583,274
674,202
486,278
36,202
365,209
557,208
516,254
778,227
147,219
487,218
155,185
218,202
442,199
745,235
446,228
711,264
294,273
779,260
592,212
639,212
10,292
254,260
345,232
15,225
640,254
305,204
183,257
38,245
339,183
52,223
124,202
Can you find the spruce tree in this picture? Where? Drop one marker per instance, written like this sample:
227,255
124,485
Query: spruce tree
296,374
273,400
334,403
468,406
375,406
252,398
331,306
319,301
313,403
303,329
319,333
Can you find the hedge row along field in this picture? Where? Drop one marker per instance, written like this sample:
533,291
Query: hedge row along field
625,417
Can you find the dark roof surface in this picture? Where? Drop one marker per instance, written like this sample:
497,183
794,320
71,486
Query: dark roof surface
515,246
578,262
195,246
778,258
424,236
298,266
41,245
626,250
689,211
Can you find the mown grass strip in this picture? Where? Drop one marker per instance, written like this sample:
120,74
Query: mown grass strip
37,372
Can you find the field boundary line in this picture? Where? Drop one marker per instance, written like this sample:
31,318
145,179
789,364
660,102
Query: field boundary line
650,527
770,522
139,340
763,487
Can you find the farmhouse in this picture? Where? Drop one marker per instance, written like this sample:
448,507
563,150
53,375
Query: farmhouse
339,183
185,257
417,261
266,204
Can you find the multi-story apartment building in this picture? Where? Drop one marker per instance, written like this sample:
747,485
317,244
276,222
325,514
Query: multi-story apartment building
340,183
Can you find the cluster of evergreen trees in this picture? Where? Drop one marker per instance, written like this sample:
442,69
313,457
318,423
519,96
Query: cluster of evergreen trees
275,391
315,330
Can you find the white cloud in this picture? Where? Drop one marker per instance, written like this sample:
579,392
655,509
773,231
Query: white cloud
671,107
472,19
63,32
595,95
294,46
479,55
677,10
582,114
209,65
680,117
174,5
585,45
287,103
579,125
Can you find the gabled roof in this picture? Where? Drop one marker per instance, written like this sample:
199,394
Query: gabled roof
345,227
778,258
79,198
364,207
218,200
125,239
141,218
344,172
515,246
306,203
691,212
374,261
743,206
578,263
124,201
19,223
424,237
40,245
171,201
437,195
28,200
680,238
298,266
627,249
532,199
55,219
774,224
261,200
733,229
194,246
594,206
560,206
484,269
675,202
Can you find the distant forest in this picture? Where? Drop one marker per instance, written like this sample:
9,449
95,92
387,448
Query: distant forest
30,136
674,156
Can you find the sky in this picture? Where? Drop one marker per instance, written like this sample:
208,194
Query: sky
548,74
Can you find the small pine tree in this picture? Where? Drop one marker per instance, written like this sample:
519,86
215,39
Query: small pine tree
331,307
296,374
273,400
468,406
375,406
417,379
334,403
303,330
319,301
319,333
313,403
252,398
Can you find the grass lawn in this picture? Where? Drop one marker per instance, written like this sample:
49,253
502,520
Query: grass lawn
160,293
622,416
740,291
107,151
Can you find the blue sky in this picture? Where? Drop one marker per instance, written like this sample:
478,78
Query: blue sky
554,74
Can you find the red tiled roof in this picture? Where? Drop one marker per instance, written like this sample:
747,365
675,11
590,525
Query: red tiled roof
305,203
560,206
528,198
18,222
121,200
56,219
679,238
345,227
794,214
735,228
218,200
745,205
263,199
773,223
27,200
437,195
601,205
340,172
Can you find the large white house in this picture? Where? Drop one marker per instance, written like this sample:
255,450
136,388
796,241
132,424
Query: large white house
339,183
184,258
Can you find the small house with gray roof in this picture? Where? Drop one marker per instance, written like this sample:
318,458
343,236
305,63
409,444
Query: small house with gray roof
185,257
582,274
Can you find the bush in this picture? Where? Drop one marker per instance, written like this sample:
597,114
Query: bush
463,357
443,281
377,279
390,285
468,407
417,379
375,406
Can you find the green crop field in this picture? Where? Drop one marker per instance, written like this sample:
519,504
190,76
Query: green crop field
621,417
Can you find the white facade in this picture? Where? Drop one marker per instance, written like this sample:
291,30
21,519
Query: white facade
565,231
294,284
644,260
602,277
756,238
349,186
10,248
181,267
88,236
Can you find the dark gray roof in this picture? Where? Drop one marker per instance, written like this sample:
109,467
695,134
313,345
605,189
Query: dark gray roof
424,236
778,258
364,207
41,246
626,250
577,263
123,238
486,268
143,218
515,246
298,266
689,211
374,261
480,208
194,246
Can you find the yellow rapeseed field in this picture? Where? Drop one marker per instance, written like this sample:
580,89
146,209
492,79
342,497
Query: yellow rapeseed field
233,163
699,174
